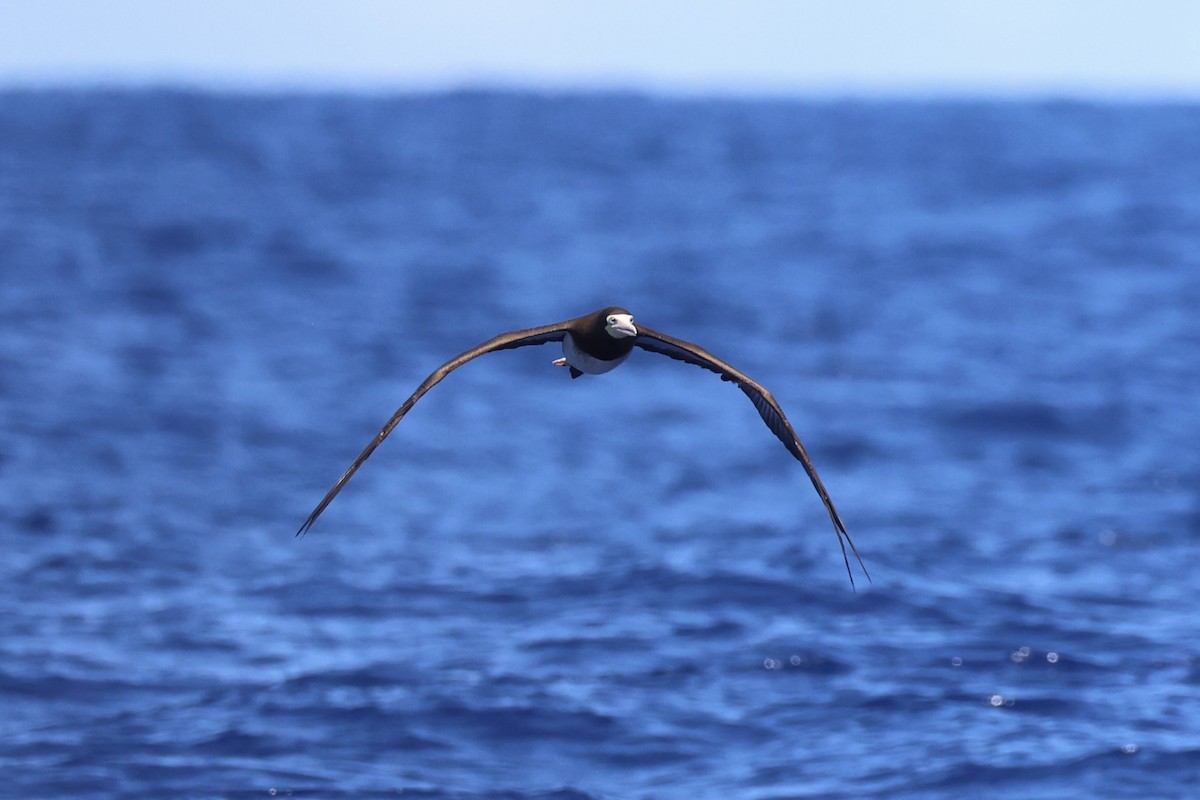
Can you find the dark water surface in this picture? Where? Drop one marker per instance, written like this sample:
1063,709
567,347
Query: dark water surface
981,318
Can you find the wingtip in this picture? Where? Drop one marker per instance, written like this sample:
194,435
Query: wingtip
844,539
853,583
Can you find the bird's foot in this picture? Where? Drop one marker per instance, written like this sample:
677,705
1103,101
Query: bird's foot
562,362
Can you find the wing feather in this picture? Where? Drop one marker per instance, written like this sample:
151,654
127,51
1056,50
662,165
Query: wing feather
770,411
504,341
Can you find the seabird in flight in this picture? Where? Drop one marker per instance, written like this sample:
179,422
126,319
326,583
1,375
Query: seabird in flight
597,343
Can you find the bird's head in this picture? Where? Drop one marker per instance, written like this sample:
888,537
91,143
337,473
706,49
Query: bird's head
618,323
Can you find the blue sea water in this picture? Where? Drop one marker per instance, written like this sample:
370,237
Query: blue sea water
980,317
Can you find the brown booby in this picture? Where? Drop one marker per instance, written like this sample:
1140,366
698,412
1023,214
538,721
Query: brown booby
597,343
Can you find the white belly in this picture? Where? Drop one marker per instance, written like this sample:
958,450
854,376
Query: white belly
585,363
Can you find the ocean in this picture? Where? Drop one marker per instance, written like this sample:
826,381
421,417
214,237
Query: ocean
980,317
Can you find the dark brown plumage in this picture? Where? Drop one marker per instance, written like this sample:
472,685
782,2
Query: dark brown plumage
603,339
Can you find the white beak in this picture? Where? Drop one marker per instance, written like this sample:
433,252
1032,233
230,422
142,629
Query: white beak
622,325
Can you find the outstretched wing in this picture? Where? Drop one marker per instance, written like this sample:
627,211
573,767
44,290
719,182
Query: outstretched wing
505,341
768,409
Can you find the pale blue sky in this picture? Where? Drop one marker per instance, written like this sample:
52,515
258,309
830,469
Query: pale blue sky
1078,47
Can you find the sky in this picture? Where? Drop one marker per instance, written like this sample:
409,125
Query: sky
1123,48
